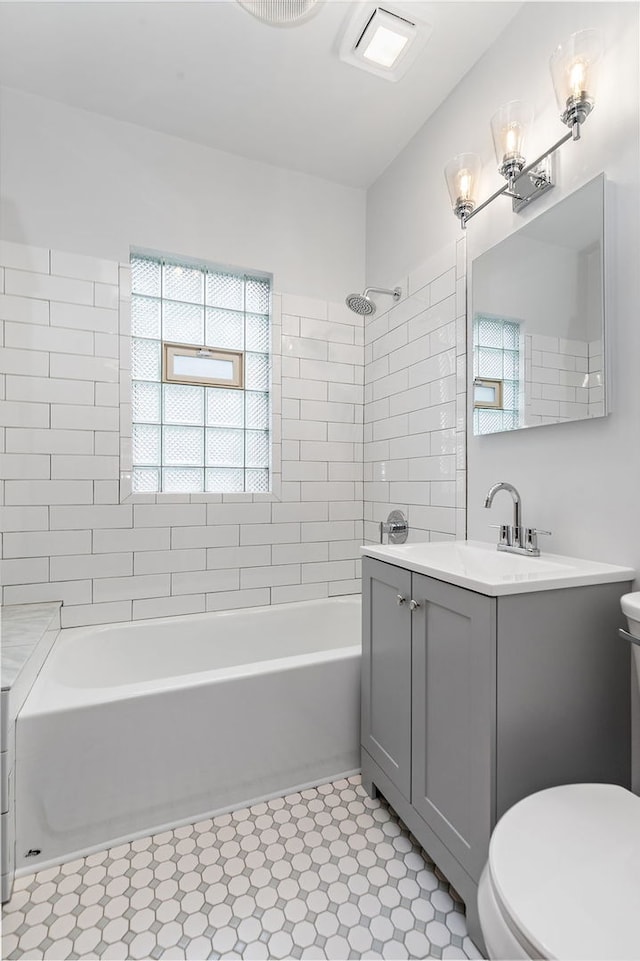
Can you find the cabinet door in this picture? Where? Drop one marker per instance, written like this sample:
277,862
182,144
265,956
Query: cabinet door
454,716
386,670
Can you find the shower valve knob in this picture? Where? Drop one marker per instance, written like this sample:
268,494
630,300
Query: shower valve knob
396,527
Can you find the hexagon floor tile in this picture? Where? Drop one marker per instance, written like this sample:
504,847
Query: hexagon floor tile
324,873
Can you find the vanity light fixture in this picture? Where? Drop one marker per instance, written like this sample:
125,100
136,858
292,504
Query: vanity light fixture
462,174
574,67
509,127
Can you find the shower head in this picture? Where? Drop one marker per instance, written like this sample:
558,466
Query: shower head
363,304
360,304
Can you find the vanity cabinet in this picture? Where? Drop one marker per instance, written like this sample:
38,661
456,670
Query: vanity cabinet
471,702
386,672
428,683
453,689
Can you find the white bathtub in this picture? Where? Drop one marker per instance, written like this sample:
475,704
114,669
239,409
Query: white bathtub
135,727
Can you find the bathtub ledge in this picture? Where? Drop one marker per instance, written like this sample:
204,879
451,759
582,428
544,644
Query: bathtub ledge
28,632
23,628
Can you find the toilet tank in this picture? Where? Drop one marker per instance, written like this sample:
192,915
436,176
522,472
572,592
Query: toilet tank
630,604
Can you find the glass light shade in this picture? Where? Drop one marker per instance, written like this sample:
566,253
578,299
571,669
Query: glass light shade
510,126
574,70
462,175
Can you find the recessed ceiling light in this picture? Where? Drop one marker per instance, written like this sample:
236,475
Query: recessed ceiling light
385,46
382,40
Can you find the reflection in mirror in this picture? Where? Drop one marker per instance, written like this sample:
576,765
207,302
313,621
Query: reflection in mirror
538,319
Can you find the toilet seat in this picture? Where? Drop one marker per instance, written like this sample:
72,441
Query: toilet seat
563,876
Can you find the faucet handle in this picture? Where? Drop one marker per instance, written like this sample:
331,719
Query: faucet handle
505,537
531,538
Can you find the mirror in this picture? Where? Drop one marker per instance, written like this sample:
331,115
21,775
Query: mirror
538,319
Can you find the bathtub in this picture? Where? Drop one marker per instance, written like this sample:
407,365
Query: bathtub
133,728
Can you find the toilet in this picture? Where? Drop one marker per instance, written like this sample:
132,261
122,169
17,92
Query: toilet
563,875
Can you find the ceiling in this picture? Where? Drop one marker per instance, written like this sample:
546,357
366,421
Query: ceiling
210,73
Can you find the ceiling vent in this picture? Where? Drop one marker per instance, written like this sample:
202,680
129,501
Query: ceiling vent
383,40
281,13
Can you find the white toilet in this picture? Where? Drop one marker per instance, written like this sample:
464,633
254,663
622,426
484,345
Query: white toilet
563,875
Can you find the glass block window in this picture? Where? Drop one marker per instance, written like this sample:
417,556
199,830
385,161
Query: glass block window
189,436
496,356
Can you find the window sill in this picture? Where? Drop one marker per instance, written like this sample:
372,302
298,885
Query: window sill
128,496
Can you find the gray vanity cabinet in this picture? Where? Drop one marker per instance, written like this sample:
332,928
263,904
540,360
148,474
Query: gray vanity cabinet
453,677
428,684
386,672
471,702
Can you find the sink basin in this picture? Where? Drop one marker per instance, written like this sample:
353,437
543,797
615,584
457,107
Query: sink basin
481,567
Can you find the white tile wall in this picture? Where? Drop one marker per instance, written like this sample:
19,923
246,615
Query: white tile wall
415,404
65,418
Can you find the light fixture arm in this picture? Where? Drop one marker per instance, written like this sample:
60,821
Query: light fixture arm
573,134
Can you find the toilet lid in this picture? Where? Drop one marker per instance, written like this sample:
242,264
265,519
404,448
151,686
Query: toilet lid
565,867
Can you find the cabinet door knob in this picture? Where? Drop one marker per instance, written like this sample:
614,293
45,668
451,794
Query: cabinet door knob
414,605
400,599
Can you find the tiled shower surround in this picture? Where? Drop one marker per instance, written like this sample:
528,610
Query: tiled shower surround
324,873
415,403
71,529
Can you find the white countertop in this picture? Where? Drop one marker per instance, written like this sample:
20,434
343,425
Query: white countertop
480,567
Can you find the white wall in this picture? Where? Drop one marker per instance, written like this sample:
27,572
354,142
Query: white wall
579,480
534,283
77,181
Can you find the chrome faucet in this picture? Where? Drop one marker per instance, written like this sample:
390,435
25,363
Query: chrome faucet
514,537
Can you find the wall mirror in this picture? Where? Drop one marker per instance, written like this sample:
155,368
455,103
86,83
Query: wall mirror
537,312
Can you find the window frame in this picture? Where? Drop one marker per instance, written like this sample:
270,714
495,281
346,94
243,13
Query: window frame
274,389
492,384
171,350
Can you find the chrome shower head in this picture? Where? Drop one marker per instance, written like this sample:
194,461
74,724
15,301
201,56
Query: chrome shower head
362,303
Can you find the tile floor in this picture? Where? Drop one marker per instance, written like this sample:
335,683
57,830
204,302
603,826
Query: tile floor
325,873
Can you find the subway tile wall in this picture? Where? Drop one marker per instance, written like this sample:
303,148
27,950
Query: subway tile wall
415,403
65,426
382,403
